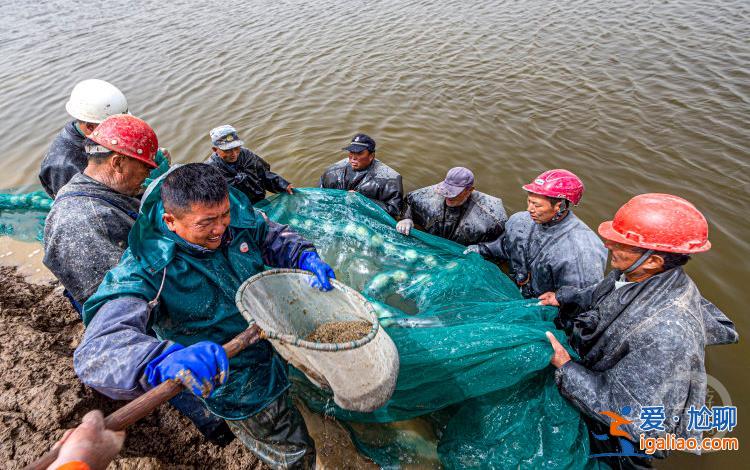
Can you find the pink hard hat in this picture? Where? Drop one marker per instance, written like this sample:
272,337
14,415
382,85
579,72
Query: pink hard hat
558,183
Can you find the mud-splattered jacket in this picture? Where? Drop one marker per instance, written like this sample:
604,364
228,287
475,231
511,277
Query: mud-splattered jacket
195,290
86,232
378,182
566,253
480,219
64,158
640,345
250,174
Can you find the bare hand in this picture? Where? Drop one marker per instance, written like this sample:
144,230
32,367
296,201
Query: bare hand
404,226
549,298
560,356
290,189
90,442
471,249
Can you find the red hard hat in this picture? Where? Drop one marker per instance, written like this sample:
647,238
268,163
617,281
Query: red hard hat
127,135
561,184
660,222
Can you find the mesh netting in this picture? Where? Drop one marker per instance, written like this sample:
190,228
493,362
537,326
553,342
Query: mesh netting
22,215
474,357
475,387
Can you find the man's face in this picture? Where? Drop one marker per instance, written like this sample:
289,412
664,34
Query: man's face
202,225
459,200
131,173
623,256
229,156
87,127
540,208
361,160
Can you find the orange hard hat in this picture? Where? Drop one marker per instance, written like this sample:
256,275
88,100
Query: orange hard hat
660,222
127,135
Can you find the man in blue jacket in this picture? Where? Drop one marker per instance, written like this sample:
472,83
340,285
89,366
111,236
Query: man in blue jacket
194,243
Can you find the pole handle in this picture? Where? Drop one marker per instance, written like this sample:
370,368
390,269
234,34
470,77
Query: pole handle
151,400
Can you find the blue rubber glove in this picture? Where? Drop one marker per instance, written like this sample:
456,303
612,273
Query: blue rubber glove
200,367
310,261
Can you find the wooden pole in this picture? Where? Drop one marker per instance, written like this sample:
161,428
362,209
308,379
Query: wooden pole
151,400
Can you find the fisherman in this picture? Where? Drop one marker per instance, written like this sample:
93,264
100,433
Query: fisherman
547,246
454,210
241,168
90,103
87,229
194,244
363,173
641,332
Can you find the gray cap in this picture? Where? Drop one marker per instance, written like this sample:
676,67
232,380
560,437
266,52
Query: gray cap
457,179
225,137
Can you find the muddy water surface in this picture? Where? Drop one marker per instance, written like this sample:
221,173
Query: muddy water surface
633,96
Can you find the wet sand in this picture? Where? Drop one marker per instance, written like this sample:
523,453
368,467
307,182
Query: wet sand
26,257
40,395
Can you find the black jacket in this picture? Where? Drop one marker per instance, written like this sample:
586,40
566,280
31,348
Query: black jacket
64,158
480,219
552,255
378,182
640,345
85,234
250,174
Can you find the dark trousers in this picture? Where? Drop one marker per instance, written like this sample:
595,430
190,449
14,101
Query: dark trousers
211,426
277,435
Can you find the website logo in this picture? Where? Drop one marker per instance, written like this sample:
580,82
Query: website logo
625,440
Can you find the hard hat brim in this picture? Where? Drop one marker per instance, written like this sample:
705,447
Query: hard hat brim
81,117
150,163
607,231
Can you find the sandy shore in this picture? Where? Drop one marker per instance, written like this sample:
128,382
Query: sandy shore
40,396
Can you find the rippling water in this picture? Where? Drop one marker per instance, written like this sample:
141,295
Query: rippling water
632,96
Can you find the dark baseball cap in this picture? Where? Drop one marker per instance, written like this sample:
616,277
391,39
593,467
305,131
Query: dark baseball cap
359,143
457,179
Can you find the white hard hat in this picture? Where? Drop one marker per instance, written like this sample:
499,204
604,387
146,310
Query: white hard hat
95,100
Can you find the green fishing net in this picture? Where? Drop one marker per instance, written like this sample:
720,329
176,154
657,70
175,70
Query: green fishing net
22,215
475,367
475,388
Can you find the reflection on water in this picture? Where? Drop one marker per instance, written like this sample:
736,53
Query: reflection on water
633,96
